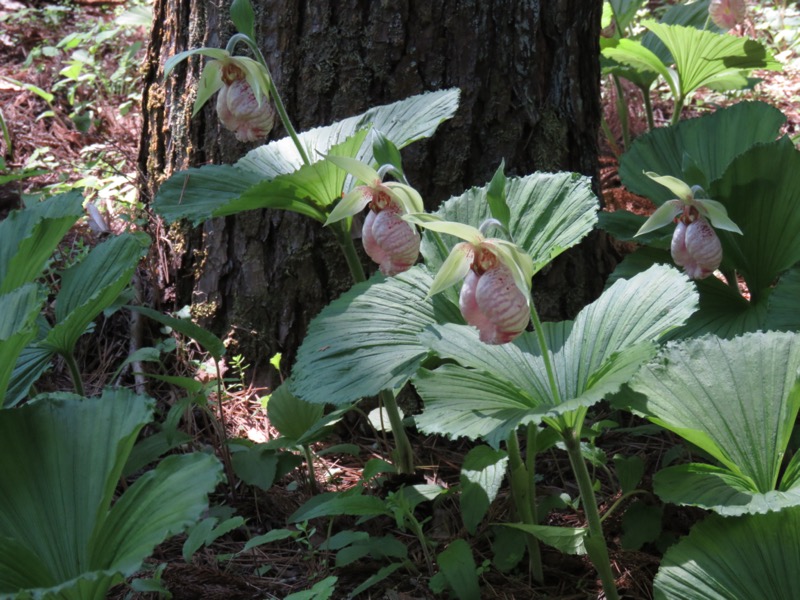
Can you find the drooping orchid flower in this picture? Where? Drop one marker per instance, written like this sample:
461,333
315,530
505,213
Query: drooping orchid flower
496,294
388,240
243,84
238,109
727,13
695,245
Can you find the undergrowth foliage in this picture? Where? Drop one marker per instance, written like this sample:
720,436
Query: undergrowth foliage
688,351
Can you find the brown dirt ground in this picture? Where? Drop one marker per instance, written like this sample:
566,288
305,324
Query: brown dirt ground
223,571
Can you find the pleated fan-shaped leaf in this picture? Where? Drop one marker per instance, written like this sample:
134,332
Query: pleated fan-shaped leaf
198,194
367,340
18,311
753,556
737,400
711,141
492,389
61,462
550,212
30,235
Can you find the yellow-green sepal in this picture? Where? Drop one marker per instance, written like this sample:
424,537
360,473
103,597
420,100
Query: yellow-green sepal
675,185
352,204
717,214
173,61
356,168
210,83
406,196
436,223
255,74
453,269
662,216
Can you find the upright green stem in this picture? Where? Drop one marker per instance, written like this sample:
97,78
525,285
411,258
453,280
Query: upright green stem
524,501
622,111
648,109
404,453
677,110
312,479
548,365
345,240
273,90
595,541
74,373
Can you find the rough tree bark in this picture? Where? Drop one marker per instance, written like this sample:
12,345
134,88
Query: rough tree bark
529,75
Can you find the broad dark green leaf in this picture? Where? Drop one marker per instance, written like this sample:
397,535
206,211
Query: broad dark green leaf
782,311
492,389
458,567
761,190
736,399
569,540
30,236
60,518
482,475
334,503
18,311
712,141
367,340
754,556
90,287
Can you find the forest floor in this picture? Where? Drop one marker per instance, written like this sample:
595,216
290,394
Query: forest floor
69,97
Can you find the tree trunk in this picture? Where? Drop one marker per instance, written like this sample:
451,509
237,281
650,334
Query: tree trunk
529,75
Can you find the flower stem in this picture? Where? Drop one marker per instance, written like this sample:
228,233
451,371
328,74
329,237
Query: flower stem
622,112
595,541
524,501
273,90
404,453
74,373
548,365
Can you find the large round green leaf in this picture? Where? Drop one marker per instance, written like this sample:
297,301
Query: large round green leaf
367,340
737,400
198,194
761,190
492,389
754,556
550,212
710,142
61,462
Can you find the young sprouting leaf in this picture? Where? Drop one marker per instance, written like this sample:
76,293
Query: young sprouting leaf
569,540
482,475
496,196
386,152
458,567
244,18
211,343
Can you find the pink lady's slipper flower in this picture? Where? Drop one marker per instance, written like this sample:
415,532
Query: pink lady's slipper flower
388,240
727,13
695,245
238,109
495,297
243,84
